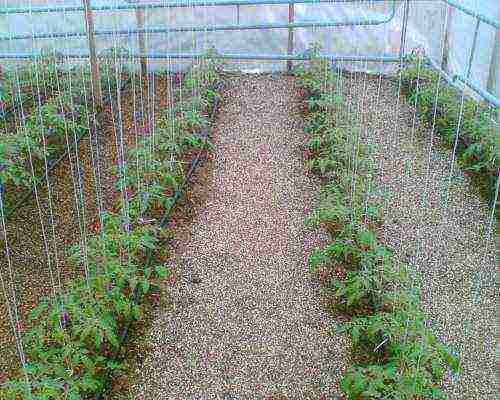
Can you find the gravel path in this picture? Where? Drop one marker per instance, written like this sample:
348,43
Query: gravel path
447,243
246,319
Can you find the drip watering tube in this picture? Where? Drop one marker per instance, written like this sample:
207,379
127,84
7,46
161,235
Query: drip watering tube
486,95
204,134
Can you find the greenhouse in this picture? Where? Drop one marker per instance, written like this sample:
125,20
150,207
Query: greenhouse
249,199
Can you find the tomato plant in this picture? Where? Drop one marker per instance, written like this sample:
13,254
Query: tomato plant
478,148
398,356
71,348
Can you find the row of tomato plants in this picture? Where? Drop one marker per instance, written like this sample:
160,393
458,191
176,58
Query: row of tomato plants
18,85
41,138
440,104
377,300
76,334
46,75
31,143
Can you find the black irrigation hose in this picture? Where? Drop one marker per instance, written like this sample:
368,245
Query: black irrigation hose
23,200
204,134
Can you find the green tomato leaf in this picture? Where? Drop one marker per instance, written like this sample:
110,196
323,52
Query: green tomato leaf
162,271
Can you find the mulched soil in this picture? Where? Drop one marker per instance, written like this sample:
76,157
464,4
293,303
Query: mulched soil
40,232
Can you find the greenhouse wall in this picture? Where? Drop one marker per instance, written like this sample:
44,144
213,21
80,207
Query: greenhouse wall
431,24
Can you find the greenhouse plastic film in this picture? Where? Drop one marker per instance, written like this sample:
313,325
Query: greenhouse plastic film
427,24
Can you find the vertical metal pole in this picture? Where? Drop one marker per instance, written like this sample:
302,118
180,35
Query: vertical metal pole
495,56
473,49
291,17
446,42
139,13
402,45
96,75
238,14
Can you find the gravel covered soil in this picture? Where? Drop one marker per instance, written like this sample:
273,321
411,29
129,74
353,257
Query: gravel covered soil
33,274
241,318
447,242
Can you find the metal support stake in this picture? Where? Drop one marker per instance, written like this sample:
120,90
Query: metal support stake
446,42
139,14
402,45
96,76
473,49
291,17
495,56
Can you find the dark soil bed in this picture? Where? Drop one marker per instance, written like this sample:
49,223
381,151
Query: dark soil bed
33,258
